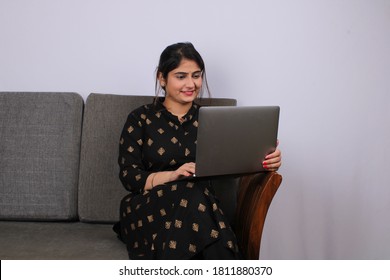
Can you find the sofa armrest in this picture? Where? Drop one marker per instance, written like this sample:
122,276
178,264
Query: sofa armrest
255,195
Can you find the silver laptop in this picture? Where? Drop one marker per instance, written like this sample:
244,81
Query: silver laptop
235,140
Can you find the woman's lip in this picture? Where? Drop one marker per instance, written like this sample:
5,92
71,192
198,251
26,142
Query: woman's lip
188,92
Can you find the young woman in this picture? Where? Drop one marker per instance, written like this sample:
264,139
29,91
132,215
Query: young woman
162,218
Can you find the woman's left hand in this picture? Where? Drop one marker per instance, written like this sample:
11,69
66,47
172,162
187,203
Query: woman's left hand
273,161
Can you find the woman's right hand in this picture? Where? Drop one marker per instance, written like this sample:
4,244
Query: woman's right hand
186,169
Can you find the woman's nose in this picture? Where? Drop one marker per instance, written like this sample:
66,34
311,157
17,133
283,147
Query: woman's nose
190,82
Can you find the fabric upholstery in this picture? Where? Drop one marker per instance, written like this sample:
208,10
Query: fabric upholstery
39,155
59,241
100,190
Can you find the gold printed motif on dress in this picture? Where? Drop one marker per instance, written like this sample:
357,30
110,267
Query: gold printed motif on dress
214,234
222,225
143,116
160,130
173,162
192,248
139,223
122,141
130,149
174,188
174,140
183,203
230,244
163,212
130,129
201,207
148,121
150,218
161,151
140,142
196,124
190,185
158,114
132,226
172,244
178,223
160,193
187,152
168,225
128,209
195,227
215,207
124,173
150,142
138,177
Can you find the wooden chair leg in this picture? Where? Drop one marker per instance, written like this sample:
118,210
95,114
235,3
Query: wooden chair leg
255,195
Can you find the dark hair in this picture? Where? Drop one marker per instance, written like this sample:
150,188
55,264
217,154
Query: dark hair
171,58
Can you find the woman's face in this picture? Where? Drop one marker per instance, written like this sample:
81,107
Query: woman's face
183,84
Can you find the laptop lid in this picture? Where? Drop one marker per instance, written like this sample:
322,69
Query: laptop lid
235,140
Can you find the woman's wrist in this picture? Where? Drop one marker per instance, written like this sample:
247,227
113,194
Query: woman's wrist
158,178
153,175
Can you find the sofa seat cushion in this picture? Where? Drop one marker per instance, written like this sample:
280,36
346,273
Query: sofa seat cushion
59,241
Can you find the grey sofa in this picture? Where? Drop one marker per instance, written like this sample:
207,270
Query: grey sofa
59,186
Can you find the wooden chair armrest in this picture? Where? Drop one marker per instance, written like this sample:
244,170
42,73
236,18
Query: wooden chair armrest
255,195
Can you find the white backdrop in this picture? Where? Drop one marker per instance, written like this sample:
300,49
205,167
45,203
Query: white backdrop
326,63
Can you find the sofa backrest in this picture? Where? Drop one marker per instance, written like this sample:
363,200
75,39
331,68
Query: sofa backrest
39,155
100,190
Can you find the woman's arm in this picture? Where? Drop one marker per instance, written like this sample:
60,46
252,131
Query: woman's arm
159,178
133,173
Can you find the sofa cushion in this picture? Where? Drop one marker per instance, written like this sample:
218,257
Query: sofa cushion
39,155
59,241
100,190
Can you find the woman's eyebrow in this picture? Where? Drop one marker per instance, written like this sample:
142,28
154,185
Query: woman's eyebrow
186,73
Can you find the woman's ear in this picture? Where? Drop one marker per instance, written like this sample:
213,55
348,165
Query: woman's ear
161,80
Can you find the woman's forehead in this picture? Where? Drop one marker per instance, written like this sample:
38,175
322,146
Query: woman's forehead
187,66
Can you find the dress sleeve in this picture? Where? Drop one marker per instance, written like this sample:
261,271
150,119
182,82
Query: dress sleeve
133,173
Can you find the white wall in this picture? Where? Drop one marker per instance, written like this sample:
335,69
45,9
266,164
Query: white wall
326,63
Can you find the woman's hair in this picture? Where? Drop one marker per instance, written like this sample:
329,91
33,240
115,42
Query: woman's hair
171,58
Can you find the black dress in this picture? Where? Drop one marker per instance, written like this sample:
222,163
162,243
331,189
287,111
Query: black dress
177,220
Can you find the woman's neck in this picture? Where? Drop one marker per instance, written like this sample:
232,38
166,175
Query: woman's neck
176,108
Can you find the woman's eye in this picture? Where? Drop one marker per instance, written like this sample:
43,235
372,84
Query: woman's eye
196,76
180,77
